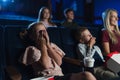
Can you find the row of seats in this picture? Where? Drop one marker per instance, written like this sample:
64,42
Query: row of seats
11,47
1,52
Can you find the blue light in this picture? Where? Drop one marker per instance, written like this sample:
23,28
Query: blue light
12,1
4,0
74,6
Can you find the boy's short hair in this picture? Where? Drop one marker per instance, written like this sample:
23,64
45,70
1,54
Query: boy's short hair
67,10
78,32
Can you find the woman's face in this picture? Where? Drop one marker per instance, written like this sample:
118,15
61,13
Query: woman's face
46,14
113,18
86,36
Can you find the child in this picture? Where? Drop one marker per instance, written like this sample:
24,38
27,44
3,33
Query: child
46,57
86,48
45,17
69,19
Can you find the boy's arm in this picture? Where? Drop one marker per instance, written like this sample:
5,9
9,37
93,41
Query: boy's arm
90,46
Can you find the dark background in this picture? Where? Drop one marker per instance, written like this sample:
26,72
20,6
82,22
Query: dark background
86,11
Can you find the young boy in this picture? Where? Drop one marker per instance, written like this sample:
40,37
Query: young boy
69,19
86,46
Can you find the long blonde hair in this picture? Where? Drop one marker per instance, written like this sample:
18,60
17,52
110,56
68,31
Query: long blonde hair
106,21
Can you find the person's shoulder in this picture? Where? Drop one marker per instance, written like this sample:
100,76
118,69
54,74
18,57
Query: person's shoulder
31,48
53,24
74,22
103,29
81,45
63,22
95,46
53,44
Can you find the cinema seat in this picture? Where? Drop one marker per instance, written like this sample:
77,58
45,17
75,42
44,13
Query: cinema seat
2,61
69,47
14,48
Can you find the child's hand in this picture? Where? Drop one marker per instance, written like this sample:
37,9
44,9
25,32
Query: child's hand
45,35
41,41
92,42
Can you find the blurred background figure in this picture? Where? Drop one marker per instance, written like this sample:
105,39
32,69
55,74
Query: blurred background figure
69,17
45,17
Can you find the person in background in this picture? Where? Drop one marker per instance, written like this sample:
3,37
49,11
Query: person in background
46,57
86,48
45,17
110,32
69,19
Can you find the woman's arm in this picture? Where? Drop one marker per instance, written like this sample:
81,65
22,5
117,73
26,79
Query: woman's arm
106,48
105,42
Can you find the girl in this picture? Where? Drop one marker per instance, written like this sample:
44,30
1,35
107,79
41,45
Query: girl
45,17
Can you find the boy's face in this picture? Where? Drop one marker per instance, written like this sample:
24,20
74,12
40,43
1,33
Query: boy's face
70,15
86,36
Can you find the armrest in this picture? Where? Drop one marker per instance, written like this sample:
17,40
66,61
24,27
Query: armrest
73,61
13,73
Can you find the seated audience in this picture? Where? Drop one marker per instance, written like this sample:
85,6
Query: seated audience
46,57
86,48
69,17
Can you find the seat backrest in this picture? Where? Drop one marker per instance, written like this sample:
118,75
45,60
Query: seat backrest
54,35
1,53
68,42
69,47
96,32
13,43
14,47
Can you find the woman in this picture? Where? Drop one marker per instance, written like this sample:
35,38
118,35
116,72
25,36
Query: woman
110,33
45,17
